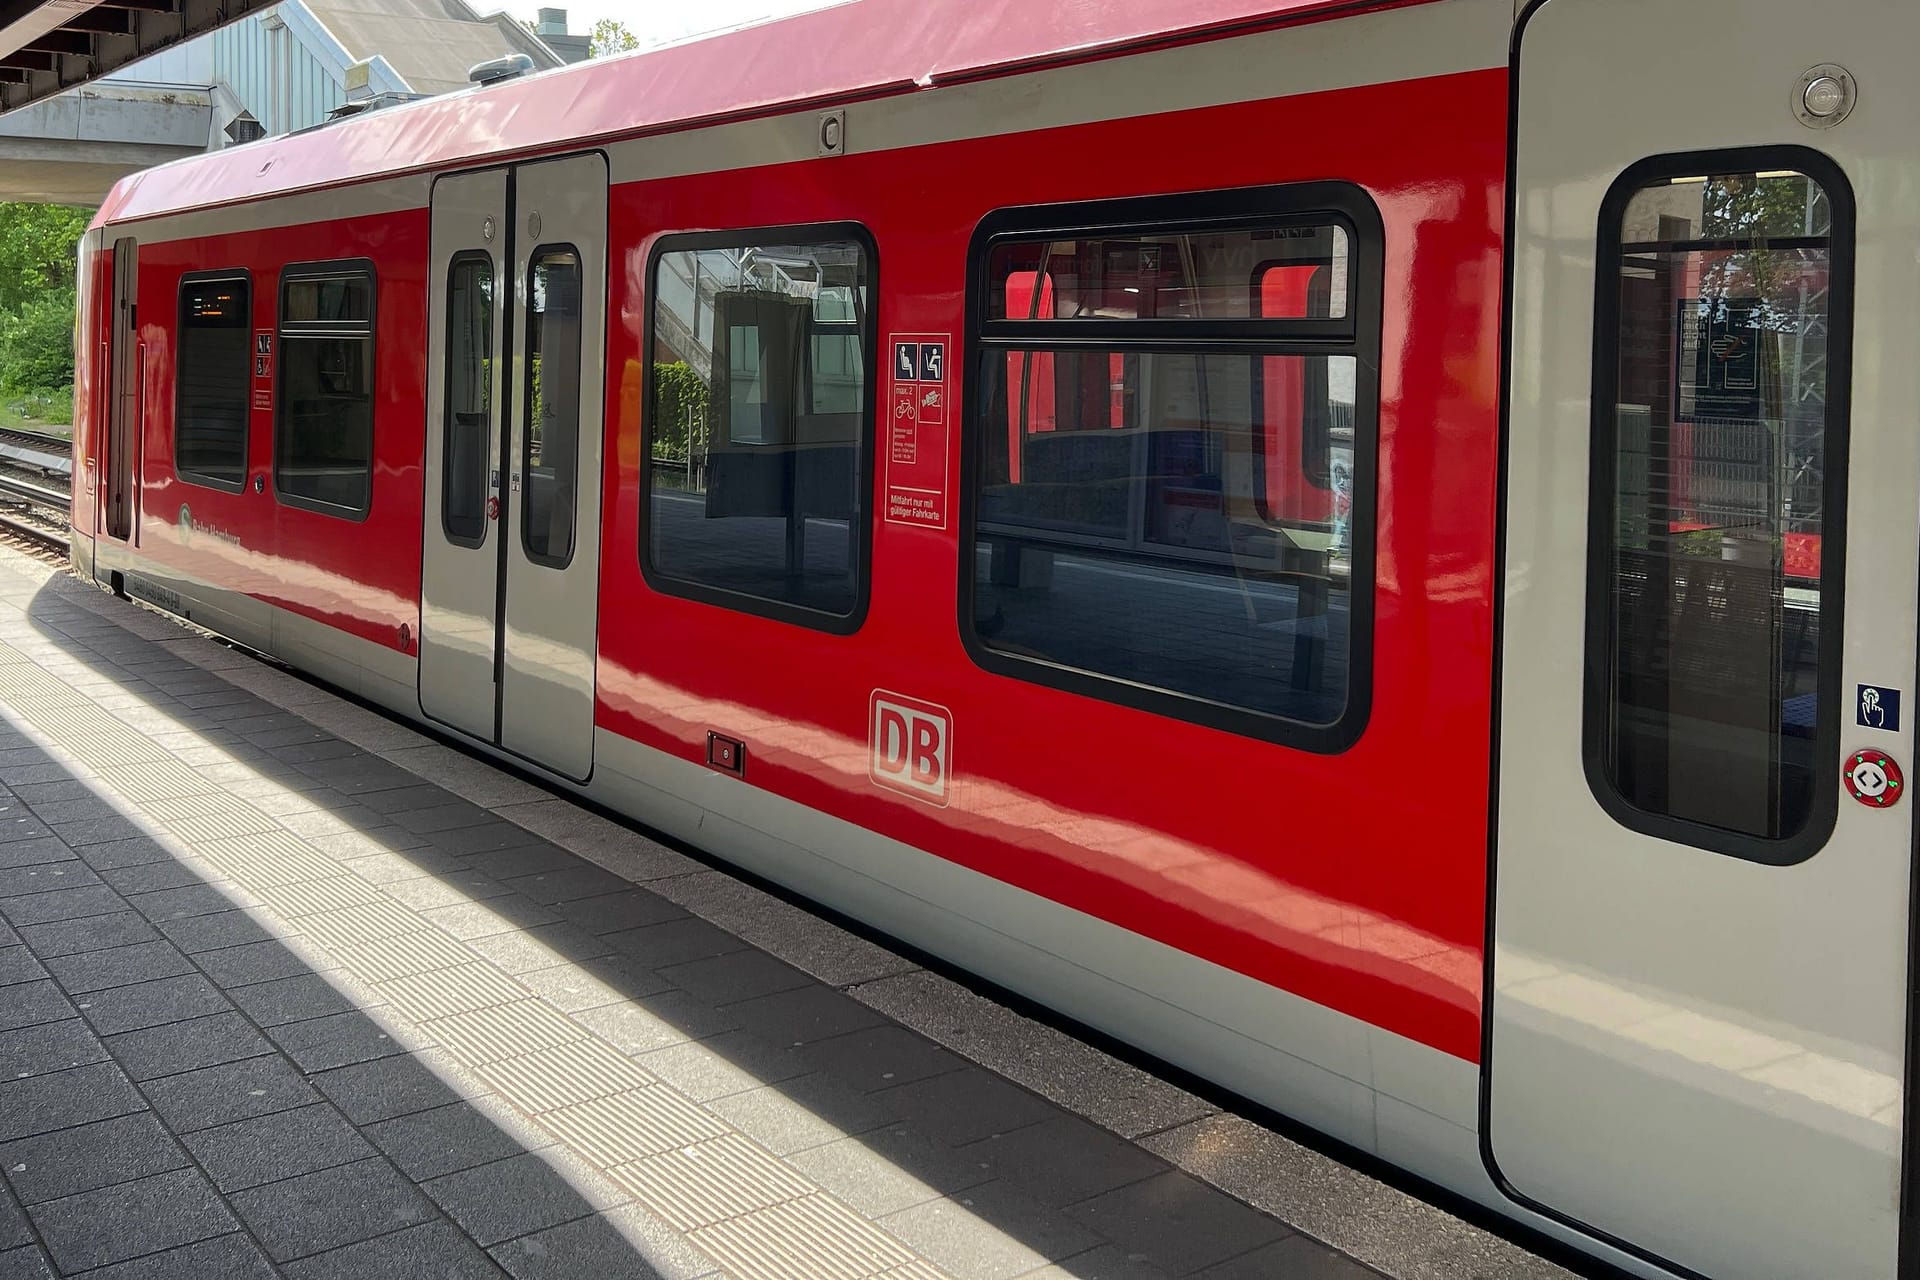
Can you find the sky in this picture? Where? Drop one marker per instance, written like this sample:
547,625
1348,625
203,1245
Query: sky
660,21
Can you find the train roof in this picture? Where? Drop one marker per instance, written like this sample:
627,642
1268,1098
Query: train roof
850,51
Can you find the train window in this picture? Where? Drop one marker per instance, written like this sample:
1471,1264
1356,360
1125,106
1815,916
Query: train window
760,428
1718,481
323,438
469,394
1172,423
212,380
550,452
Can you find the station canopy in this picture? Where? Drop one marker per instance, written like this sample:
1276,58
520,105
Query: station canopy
50,45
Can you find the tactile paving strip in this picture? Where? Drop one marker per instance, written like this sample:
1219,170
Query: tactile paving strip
751,1212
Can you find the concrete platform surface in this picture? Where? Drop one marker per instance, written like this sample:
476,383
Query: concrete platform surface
290,989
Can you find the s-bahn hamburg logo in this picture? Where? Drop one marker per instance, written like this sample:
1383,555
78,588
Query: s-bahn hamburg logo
186,525
912,742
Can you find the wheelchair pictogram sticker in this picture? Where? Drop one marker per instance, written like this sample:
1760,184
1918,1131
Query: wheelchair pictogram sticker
1874,779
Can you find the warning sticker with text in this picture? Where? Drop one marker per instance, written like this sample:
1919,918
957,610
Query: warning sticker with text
914,435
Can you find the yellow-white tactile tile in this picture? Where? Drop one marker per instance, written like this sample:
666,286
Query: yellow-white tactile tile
752,1213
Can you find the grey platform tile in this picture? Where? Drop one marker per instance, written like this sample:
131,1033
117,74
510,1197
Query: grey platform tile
1296,1258
430,1251
15,1230
1111,1262
232,928
7,936
85,805
411,793
290,999
965,1106
797,1114
25,1263
41,877
150,877
372,1091
508,1198
86,831
286,1144
886,1170
431,1144
1178,1222
89,1156
179,904
94,933
445,816
30,1003
149,1004
878,1058
569,883
539,948
60,1099
609,913
330,1208
729,1063
31,853
61,904
741,975
138,851
126,1221
50,1046
1062,1161
605,1245
504,851
338,1040
989,1232
16,824
228,1257
232,1091
675,941
89,971
174,1047
804,1015
251,962
18,965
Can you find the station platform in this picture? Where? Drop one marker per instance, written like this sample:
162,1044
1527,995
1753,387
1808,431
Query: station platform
288,988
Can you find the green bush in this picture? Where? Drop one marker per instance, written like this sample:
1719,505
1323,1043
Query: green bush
36,344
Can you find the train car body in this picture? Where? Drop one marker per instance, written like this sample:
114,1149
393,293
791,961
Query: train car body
1347,545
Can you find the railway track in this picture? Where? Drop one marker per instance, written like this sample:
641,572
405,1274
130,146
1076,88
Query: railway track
35,479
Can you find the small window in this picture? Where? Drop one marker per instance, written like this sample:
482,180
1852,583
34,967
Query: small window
1172,420
212,380
760,425
469,398
324,435
1718,483
550,458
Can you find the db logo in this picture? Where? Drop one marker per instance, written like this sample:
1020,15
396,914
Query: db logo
911,741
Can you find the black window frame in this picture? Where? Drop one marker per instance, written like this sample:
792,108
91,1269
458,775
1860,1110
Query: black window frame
523,464
468,257
1357,334
1597,694
325,269
179,384
860,528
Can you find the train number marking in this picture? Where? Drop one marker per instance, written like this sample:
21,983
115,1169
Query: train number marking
911,743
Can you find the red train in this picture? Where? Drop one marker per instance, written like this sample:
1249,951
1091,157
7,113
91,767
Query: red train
1342,543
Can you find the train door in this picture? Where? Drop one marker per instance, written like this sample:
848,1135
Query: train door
511,572
1700,974
124,400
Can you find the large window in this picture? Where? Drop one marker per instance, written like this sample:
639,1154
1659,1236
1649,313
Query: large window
469,393
211,374
760,424
1718,470
323,442
1171,453
551,451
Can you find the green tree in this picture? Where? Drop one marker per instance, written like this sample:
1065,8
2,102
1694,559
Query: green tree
39,244
610,35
